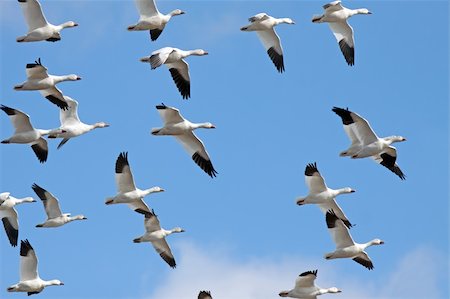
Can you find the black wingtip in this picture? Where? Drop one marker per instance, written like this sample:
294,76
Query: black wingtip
313,272
204,164
58,102
25,246
345,115
11,232
8,110
121,162
277,59
161,107
154,34
331,218
184,86
310,169
349,52
40,192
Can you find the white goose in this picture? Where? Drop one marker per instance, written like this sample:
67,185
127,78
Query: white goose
345,246
176,125
321,195
365,143
55,217
38,27
127,191
151,19
305,287
204,295
336,16
71,124
24,133
156,235
264,25
39,79
9,215
30,281
178,67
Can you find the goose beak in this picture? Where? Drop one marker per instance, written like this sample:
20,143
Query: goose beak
75,24
182,12
352,191
78,78
382,242
369,13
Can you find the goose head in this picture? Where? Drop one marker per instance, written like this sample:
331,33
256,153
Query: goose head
177,12
101,125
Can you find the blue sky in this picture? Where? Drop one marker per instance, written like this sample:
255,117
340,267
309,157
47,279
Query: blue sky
245,237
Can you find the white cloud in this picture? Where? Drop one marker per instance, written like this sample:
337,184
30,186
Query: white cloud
415,276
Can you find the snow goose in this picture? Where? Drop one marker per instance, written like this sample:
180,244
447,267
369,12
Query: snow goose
336,16
9,215
178,67
127,191
176,125
345,246
365,143
320,194
30,281
204,295
263,25
39,79
71,124
38,27
306,288
25,133
156,235
55,217
151,19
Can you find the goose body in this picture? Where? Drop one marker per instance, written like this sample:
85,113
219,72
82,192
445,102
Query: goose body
55,217
25,133
321,195
345,246
151,19
182,129
305,288
173,58
39,79
365,143
30,281
156,235
336,16
264,25
38,27
8,215
126,189
71,126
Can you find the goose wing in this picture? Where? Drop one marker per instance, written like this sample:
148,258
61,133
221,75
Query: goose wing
40,149
179,70
19,119
204,295
306,279
387,159
343,33
313,179
272,44
338,231
159,57
36,70
28,261
194,146
359,126
332,6
51,203
55,96
364,259
139,206
147,8
34,16
163,249
11,224
332,205
69,116
169,115
258,17
124,177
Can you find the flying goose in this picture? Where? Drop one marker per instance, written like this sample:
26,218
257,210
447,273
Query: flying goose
305,287
9,215
24,133
264,25
30,281
55,217
178,67
38,27
151,19
204,295
320,194
127,191
176,125
39,79
365,143
345,246
71,124
336,16
156,235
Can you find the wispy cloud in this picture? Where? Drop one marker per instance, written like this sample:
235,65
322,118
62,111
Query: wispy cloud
414,276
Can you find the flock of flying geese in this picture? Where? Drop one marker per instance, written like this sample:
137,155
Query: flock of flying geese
364,141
